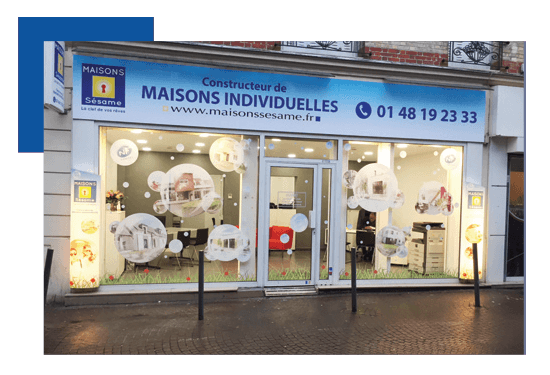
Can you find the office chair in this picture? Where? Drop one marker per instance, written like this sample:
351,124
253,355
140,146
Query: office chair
185,238
366,240
201,239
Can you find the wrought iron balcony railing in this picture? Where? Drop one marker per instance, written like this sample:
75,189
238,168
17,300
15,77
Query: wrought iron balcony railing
486,55
327,47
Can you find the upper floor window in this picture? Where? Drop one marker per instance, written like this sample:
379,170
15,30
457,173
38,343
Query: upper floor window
341,49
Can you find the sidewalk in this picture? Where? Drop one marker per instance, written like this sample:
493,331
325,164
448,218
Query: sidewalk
404,322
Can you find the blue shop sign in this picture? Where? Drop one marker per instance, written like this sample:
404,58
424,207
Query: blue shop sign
143,92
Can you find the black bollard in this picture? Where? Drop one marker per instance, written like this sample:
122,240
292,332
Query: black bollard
353,280
201,284
47,269
476,276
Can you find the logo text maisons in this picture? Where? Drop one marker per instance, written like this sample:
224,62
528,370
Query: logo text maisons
103,85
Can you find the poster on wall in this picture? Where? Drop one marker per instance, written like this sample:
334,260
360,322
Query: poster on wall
472,232
108,89
85,234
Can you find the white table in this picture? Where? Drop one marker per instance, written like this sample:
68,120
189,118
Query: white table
175,230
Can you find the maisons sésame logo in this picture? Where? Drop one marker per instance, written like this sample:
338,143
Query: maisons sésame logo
103,85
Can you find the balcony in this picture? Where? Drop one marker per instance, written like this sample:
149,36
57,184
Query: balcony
476,55
337,49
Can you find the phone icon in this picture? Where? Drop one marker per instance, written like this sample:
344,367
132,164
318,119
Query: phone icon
363,110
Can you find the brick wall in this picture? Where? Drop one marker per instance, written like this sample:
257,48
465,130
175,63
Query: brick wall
417,52
258,45
513,55
406,56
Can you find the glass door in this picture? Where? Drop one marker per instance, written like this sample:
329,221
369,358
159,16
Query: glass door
299,223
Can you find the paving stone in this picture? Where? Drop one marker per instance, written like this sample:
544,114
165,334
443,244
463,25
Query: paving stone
420,322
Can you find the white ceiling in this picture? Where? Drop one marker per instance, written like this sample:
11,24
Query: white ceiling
167,141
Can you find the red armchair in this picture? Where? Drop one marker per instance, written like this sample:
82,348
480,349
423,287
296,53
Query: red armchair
275,233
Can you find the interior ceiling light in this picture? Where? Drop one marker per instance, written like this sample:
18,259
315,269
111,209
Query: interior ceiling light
276,140
199,144
204,135
401,146
136,131
141,141
146,148
368,152
196,151
308,150
291,155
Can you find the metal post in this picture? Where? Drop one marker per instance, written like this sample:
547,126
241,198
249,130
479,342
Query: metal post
47,269
476,275
201,284
353,280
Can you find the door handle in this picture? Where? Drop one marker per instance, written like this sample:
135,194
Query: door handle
312,221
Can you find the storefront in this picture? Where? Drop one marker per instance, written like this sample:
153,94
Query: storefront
275,176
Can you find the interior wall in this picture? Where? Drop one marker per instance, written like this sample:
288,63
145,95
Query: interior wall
415,171
136,175
303,239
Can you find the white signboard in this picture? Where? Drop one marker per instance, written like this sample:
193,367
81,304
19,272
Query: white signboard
85,234
54,75
473,219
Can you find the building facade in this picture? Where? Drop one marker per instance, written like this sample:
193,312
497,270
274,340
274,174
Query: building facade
264,154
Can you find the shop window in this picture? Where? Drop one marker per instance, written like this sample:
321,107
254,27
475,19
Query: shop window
403,210
300,148
181,192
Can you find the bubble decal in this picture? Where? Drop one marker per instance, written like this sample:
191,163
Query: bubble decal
398,200
284,238
347,147
175,246
125,184
390,241
124,152
226,154
403,154
159,207
329,145
154,180
186,189
434,199
180,147
348,178
147,194
449,159
352,202
139,238
299,222
227,242
375,187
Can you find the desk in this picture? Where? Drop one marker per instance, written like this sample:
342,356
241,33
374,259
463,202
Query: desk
353,240
175,230
355,231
